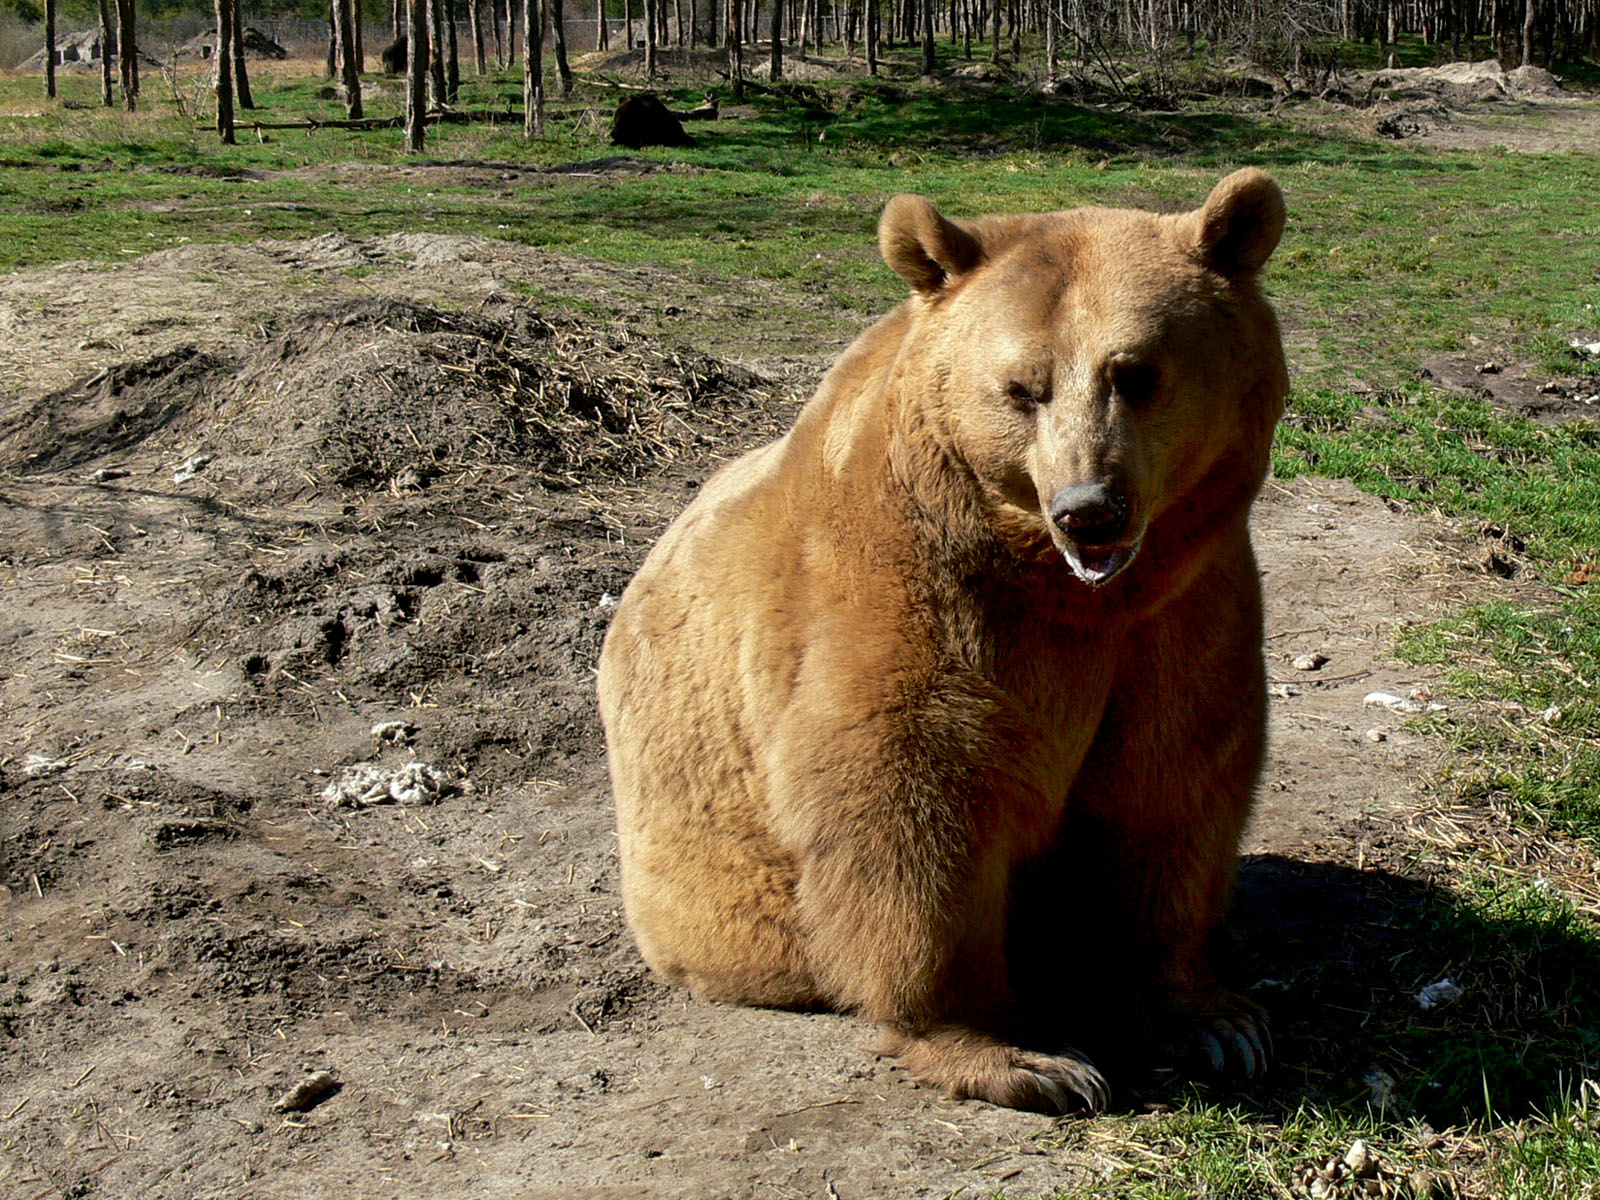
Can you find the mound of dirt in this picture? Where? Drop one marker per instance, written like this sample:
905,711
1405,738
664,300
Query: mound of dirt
1466,83
388,393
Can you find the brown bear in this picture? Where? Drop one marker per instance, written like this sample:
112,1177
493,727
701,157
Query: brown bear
947,708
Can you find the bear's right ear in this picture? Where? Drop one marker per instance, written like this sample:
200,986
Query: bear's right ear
924,248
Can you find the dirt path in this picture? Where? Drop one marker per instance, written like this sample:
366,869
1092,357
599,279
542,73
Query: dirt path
191,927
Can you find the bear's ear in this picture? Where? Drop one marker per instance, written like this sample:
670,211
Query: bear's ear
924,248
1239,226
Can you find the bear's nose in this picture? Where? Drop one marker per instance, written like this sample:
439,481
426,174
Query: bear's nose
1092,514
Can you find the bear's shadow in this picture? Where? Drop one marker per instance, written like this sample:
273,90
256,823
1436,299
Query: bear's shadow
1340,956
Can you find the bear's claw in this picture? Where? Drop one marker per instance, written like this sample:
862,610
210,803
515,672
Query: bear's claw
1238,1044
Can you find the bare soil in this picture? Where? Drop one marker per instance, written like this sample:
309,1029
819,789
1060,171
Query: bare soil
258,500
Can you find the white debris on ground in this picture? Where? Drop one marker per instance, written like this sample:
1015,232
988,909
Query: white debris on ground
36,766
190,467
1438,994
1585,349
366,784
1415,703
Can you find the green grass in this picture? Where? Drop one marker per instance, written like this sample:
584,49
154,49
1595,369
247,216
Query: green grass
1393,254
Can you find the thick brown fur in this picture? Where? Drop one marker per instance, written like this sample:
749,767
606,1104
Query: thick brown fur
878,747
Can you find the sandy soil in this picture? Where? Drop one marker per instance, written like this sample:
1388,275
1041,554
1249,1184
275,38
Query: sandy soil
258,500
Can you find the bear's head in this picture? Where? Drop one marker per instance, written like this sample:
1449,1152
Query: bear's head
1094,369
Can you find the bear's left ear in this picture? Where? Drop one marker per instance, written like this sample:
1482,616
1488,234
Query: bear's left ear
1239,226
925,248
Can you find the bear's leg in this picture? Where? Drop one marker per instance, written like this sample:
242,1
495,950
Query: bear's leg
914,939
1149,844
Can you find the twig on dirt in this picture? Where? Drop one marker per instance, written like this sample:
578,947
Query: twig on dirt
20,1105
87,1071
819,1104
578,1016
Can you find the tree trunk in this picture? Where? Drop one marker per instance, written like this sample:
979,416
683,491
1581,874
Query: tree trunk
222,71
736,47
128,44
532,68
1527,33
511,32
929,64
602,35
438,88
241,77
452,55
50,48
650,37
777,40
344,18
480,55
416,73
107,40
558,35
874,18
361,40
994,45
331,67
396,15
1052,50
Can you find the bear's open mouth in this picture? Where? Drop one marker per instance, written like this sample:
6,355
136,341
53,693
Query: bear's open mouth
1097,564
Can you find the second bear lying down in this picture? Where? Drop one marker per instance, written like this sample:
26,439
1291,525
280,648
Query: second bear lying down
948,707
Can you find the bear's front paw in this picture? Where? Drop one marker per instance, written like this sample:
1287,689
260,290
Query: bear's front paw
1235,1039
1056,1084
969,1065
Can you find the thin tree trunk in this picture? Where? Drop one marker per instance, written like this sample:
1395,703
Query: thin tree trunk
994,45
128,44
351,82
558,35
438,88
1527,33
480,55
416,73
396,15
452,57
107,39
499,41
736,47
361,40
777,40
332,65
511,32
222,71
874,17
241,77
650,37
532,68
602,35
50,48
929,63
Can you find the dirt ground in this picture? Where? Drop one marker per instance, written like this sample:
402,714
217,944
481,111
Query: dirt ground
260,501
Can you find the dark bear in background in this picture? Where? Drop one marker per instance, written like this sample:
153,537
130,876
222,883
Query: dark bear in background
394,56
643,120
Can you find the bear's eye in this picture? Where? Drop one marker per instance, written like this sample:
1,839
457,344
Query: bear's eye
1135,382
1023,398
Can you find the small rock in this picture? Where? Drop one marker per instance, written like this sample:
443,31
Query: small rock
1282,691
1309,662
1551,389
1401,704
1377,735
106,474
1360,1159
190,467
1439,993
398,732
607,600
409,480
1380,1088
1489,368
308,1093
